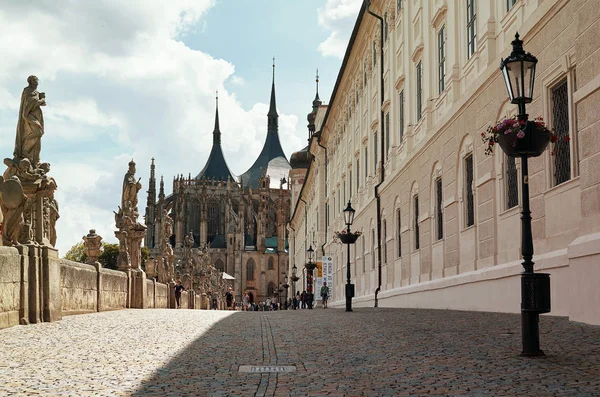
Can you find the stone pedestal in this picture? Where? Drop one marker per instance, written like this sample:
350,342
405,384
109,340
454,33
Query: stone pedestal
172,303
137,289
52,298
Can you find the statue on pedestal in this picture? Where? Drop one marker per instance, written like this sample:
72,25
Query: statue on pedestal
93,247
30,126
131,232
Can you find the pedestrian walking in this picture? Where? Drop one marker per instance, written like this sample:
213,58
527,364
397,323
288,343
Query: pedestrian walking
324,294
229,298
215,300
245,302
178,288
303,299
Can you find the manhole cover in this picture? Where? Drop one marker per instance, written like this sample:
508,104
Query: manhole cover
267,368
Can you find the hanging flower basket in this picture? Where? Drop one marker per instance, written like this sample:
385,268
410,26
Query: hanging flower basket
295,278
310,266
519,138
346,238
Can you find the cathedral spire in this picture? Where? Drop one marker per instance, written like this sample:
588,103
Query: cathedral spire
272,115
217,131
271,149
161,192
317,99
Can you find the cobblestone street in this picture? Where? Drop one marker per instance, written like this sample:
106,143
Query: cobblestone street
370,352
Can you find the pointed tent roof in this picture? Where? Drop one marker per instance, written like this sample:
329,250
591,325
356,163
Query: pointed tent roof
216,166
272,147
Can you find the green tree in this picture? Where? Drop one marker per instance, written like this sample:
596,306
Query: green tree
109,257
77,253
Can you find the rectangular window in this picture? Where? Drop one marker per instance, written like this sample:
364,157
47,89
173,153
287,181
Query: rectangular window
372,248
366,163
350,183
375,153
560,125
469,202
357,174
374,54
401,115
326,167
439,206
364,262
387,132
399,5
509,4
326,218
419,91
344,190
512,189
398,233
384,241
416,221
471,28
442,59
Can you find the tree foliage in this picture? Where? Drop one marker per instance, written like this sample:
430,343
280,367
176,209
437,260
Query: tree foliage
108,258
77,253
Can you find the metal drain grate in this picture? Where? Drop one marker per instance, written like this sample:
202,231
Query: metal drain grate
258,369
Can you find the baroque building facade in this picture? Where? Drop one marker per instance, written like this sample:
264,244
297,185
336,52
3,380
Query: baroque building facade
440,220
239,220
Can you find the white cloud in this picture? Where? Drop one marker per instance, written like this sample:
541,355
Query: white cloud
121,83
339,17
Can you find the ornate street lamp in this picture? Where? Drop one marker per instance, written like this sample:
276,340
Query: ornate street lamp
286,286
519,76
310,266
349,238
294,279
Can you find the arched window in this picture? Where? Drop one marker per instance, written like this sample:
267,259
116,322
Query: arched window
271,266
271,289
250,269
219,265
213,220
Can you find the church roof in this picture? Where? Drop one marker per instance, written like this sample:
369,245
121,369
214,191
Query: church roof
216,166
271,149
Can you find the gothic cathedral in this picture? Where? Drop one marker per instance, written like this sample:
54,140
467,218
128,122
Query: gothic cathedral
241,220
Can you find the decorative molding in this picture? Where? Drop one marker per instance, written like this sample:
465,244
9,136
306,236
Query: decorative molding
417,52
439,16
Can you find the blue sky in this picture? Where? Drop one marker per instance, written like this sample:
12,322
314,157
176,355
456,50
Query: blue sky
137,79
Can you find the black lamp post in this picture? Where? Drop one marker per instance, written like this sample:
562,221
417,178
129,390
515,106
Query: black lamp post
286,286
294,279
349,239
519,75
310,266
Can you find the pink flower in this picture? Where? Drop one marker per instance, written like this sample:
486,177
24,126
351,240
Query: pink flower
521,134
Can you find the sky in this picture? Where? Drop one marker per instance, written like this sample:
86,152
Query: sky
138,79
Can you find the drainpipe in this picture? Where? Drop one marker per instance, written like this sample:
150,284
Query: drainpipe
325,241
381,169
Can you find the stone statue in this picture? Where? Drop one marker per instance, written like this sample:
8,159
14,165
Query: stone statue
93,246
188,242
13,202
30,126
131,187
54,215
168,222
124,260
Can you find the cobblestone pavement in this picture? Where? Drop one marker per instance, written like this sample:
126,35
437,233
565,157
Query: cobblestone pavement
370,352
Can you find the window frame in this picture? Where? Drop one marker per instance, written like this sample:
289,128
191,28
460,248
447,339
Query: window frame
469,190
417,242
419,90
441,37
471,28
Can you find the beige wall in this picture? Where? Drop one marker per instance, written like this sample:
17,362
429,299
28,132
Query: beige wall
458,270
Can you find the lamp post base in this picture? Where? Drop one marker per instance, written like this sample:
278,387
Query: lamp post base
530,328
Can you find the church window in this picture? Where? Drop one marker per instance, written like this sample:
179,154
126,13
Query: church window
271,264
271,289
250,269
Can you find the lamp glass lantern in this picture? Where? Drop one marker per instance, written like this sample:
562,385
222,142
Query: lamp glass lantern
310,252
518,70
349,214
294,270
